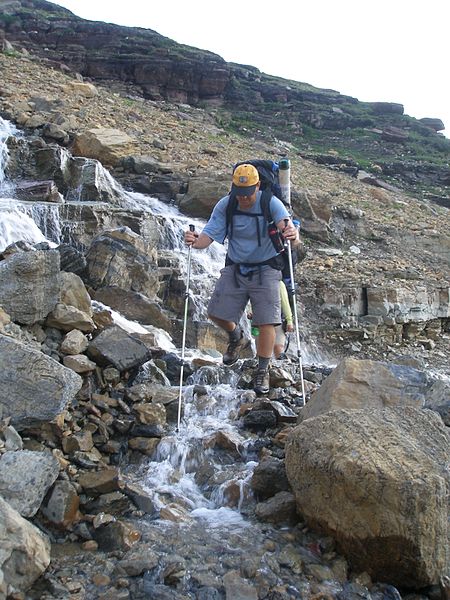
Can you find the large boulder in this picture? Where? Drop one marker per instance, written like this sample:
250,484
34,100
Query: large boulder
203,194
377,482
134,306
29,285
107,145
25,477
368,384
120,258
24,551
34,387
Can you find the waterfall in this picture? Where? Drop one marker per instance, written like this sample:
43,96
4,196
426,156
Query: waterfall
7,130
179,476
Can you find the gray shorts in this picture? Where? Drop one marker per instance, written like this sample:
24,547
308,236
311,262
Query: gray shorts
228,301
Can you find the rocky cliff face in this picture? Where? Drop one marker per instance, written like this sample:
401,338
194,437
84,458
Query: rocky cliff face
328,126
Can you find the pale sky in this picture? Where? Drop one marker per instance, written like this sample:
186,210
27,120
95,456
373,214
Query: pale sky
385,50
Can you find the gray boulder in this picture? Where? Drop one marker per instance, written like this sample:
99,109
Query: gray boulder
25,478
34,387
116,347
29,285
24,551
121,258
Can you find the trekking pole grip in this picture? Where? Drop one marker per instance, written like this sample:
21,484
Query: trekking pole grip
192,227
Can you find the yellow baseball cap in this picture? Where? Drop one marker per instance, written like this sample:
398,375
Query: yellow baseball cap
245,180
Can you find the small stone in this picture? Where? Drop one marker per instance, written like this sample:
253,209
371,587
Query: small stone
99,579
90,546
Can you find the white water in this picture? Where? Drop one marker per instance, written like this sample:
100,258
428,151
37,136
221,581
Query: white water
171,477
7,130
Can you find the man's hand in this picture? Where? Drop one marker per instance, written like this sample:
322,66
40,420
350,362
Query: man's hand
199,241
289,327
290,232
190,237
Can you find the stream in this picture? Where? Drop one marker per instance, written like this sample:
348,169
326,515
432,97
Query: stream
210,534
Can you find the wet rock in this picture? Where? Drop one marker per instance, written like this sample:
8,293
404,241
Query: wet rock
227,440
159,592
174,512
144,430
115,346
237,587
208,593
144,445
259,420
395,455
71,259
269,477
280,508
30,285
283,413
140,497
136,562
174,572
25,551
116,536
134,306
25,477
113,503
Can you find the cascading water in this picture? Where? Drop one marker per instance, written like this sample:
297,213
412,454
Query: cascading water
200,474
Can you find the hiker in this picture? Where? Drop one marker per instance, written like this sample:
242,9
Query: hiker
252,269
287,325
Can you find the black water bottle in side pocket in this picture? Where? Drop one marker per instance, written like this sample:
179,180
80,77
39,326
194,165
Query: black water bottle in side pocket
276,237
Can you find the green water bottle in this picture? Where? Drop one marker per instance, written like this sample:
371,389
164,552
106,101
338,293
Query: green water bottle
255,331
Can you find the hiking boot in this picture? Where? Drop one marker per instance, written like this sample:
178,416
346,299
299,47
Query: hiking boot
261,385
234,350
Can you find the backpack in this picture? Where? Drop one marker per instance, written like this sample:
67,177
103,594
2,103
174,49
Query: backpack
269,186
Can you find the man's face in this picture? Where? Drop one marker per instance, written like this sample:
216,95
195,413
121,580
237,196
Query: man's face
246,202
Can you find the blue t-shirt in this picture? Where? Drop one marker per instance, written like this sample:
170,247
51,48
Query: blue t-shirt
243,245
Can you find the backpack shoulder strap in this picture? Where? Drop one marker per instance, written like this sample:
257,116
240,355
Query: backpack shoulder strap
265,204
229,212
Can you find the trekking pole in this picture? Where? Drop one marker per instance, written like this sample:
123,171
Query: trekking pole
183,340
294,303
285,184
